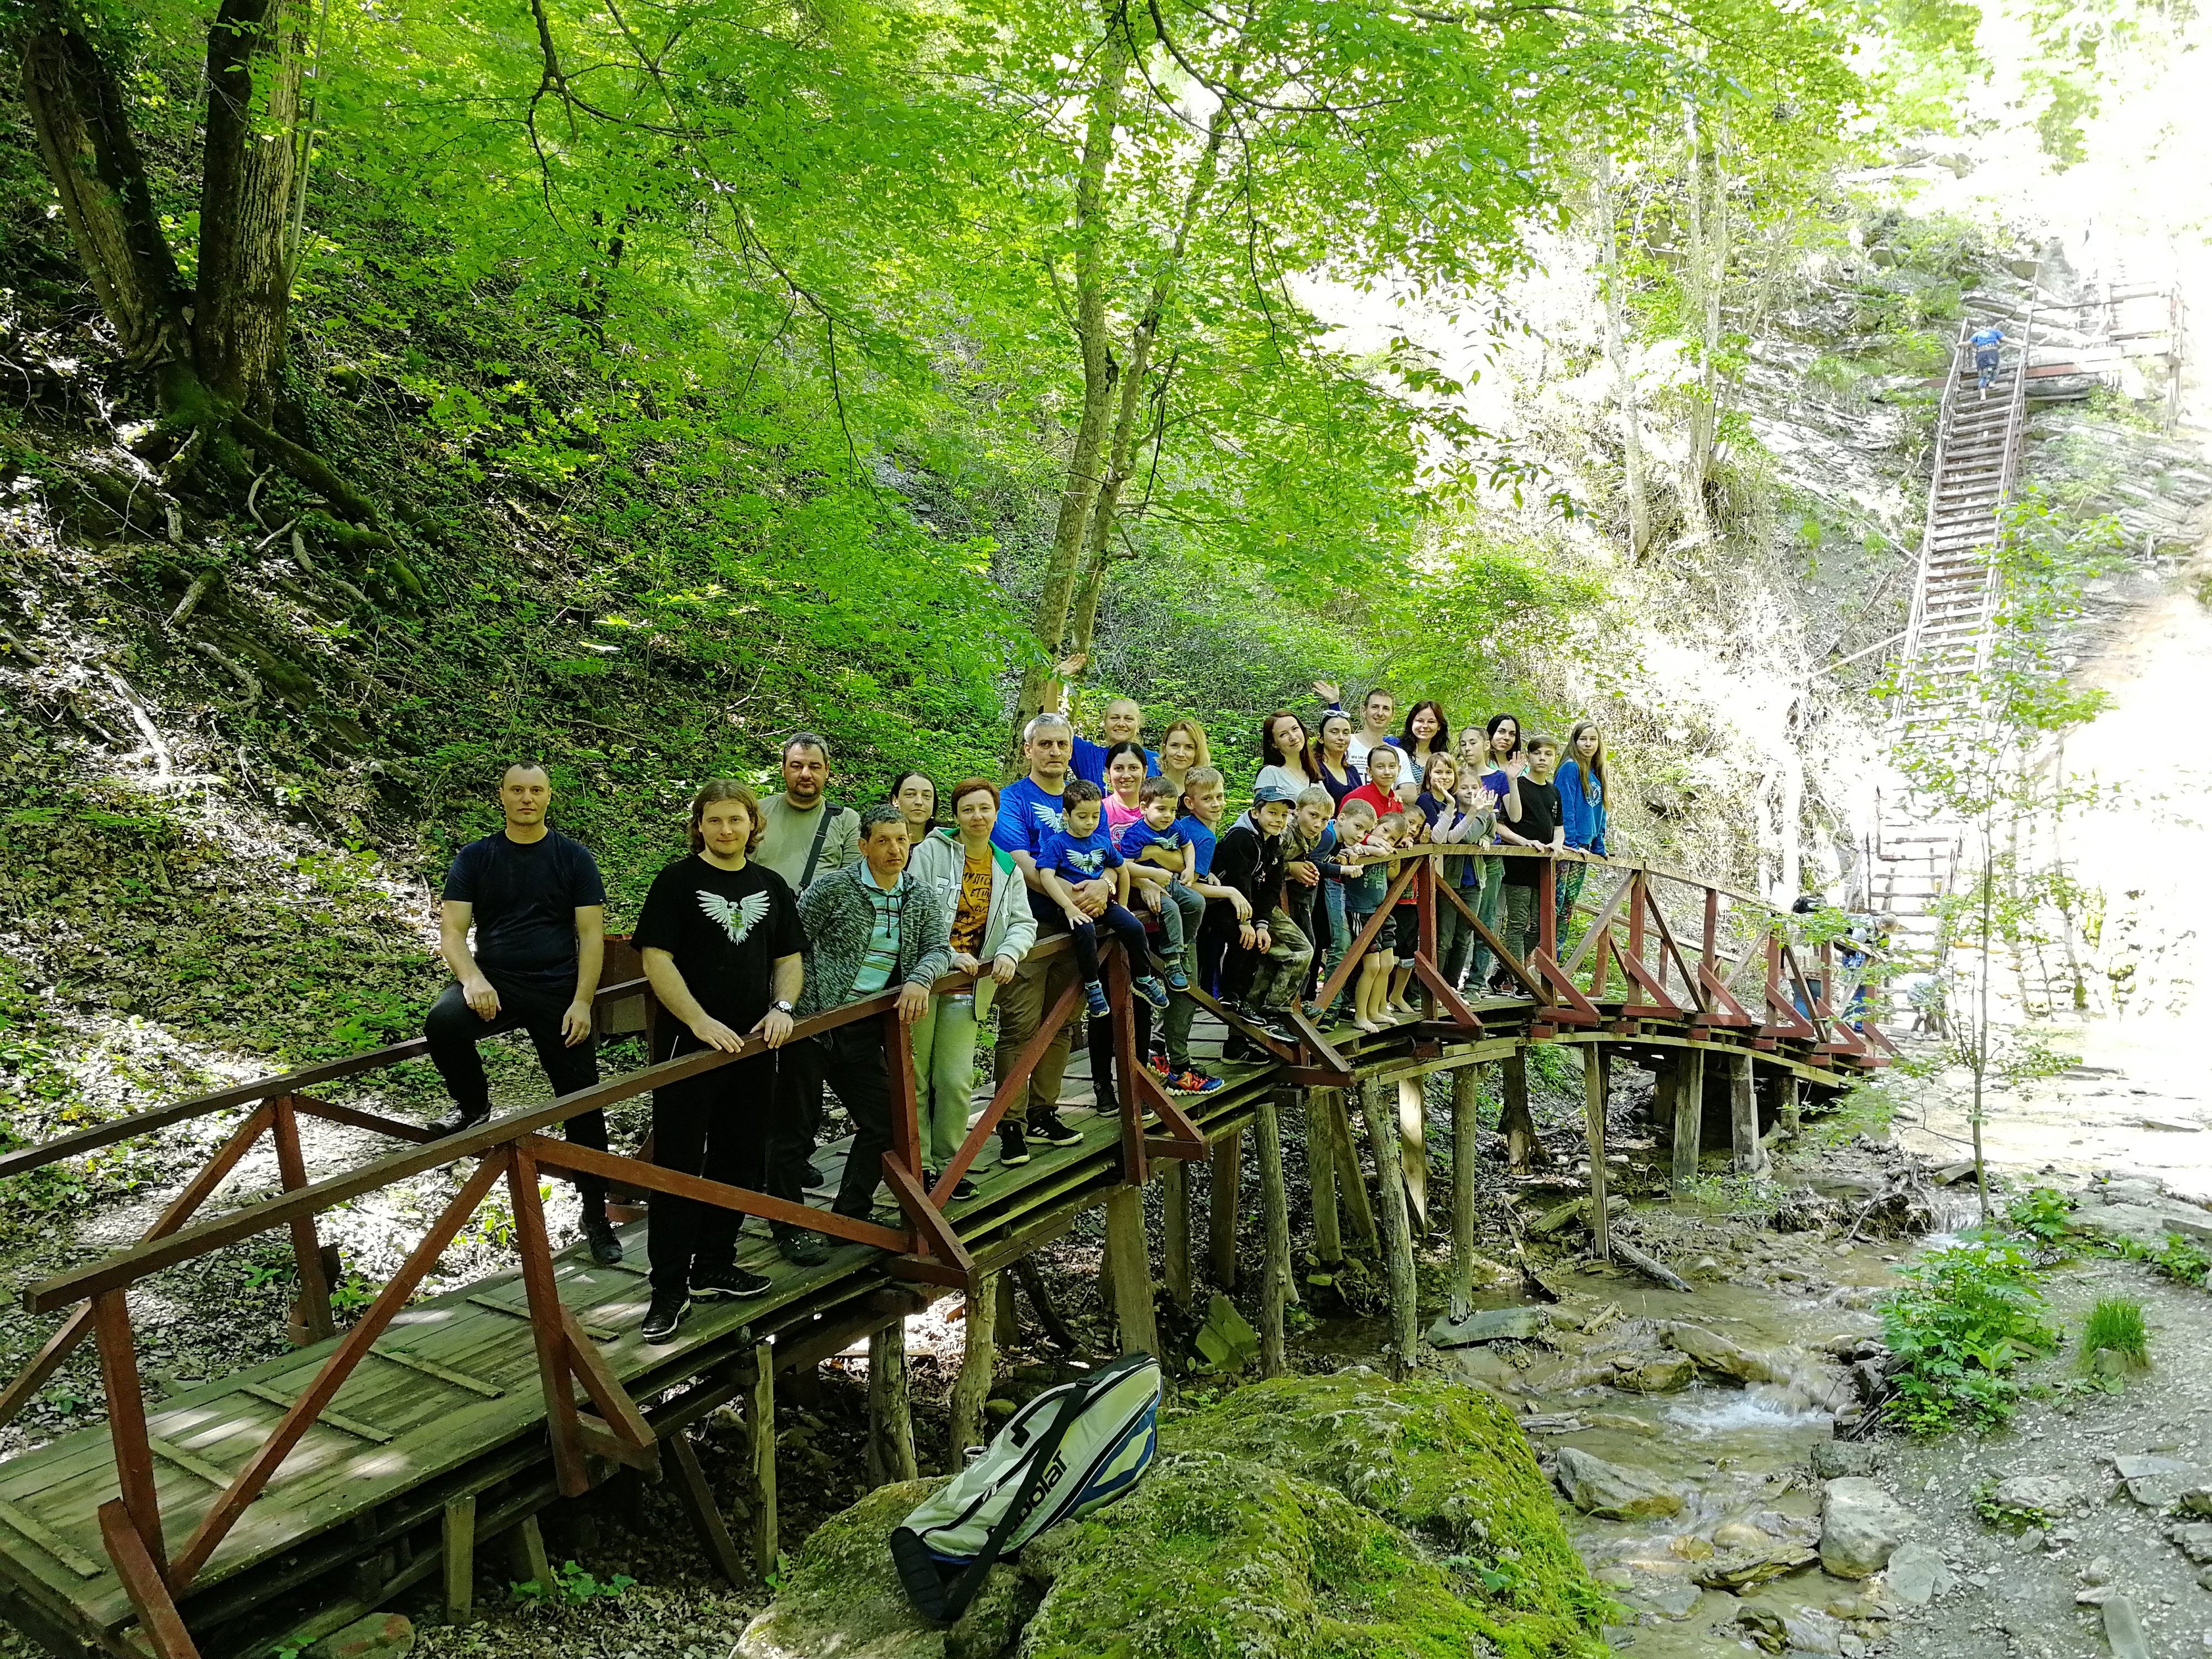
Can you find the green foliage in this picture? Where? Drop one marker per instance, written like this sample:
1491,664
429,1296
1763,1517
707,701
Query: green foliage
2116,1322
2009,1517
2042,1215
2182,1260
571,1586
1962,1323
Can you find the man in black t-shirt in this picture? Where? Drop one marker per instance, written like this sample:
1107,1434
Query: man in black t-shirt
1532,816
722,948
539,911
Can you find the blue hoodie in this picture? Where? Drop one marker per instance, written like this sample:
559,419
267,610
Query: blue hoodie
1582,801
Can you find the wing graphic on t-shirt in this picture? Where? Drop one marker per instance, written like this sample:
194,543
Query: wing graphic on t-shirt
1049,817
736,919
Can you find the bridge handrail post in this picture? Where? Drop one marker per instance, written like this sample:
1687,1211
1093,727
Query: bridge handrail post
1126,1105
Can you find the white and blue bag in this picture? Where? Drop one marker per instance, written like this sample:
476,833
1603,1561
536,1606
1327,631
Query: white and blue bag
1071,1450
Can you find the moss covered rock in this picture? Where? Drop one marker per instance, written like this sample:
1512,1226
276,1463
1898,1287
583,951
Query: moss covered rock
1340,1517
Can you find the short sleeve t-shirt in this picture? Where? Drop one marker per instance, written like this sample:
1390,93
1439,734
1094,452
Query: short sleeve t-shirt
1089,761
1118,818
724,930
524,896
1384,802
1078,858
1539,817
1200,840
1165,845
1026,815
972,914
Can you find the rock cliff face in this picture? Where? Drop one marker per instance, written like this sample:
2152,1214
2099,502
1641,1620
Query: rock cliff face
1302,1517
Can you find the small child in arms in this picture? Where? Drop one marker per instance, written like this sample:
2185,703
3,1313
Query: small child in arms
1158,849
1081,851
1363,897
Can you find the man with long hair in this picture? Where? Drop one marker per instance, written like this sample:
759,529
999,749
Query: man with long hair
721,939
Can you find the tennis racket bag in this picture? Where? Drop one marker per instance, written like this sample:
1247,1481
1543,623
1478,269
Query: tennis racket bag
1071,1450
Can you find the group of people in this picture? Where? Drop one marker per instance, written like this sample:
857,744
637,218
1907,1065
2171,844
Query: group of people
795,903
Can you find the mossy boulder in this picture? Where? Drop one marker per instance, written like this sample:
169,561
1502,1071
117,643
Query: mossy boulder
1340,1517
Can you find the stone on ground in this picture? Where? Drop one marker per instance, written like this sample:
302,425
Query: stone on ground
2052,1495
1486,1325
1918,1573
2123,1631
1861,1526
1613,1492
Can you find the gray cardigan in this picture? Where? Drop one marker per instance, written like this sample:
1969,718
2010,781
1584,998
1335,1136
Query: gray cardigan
838,917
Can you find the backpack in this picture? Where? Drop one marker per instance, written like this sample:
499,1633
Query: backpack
1072,1450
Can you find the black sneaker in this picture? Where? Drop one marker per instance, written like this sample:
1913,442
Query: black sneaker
599,1233
965,1187
663,1315
1054,1133
729,1281
804,1249
460,1118
1013,1145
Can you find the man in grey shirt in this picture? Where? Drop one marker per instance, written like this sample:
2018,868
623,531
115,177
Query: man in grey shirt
808,834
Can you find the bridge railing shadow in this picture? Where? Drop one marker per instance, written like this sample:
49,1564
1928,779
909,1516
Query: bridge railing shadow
1731,937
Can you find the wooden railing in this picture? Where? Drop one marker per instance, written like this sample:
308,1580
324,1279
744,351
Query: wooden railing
1629,929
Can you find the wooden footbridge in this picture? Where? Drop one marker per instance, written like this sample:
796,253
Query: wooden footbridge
279,1503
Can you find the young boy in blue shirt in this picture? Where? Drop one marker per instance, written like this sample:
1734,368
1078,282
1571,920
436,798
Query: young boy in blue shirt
1080,850
1160,851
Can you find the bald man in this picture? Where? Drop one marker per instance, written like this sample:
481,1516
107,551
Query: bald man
538,909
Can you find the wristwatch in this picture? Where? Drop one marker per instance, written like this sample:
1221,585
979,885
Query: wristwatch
780,1007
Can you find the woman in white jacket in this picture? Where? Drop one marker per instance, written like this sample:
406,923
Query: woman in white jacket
992,931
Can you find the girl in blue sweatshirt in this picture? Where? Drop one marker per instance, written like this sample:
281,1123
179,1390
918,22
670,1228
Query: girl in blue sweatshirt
1582,783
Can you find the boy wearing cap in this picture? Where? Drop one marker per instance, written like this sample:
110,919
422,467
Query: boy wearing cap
1251,858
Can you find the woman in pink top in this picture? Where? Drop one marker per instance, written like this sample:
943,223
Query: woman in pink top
1125,777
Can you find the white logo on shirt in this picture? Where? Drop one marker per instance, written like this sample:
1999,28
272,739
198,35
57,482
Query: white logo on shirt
1090,863
736,919
1049,817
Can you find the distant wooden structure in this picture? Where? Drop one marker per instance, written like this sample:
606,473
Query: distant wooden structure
281,1501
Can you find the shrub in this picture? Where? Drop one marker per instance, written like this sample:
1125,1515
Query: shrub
2182,1260
2043,1215
2116,1322
1964,1320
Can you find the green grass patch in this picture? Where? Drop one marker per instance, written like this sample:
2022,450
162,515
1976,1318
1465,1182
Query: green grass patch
2116,1322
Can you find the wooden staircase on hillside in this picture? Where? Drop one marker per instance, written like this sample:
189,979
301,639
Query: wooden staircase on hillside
1947,650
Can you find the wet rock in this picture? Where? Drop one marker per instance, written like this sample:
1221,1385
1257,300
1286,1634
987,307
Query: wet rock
1810,1630
2050,1495
1662,1375
2197,1501
1738,1570
2195,1538
2099,1571
1832,1458
1486,1325
2157,1482
1861,1526
1671,1598
2108,1363
1793,1369
1916,1574
1765,1627
2123,1631
1613,1492
1622,1423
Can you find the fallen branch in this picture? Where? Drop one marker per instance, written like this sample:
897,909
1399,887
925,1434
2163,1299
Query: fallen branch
1649,1266
202,585
238,670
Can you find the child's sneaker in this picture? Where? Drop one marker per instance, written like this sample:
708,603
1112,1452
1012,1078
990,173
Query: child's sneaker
1192,1081
1178,980
1149,988
1160,1066
1094,996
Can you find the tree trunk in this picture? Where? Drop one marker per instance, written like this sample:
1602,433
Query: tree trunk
1703,273
1616,351
256,51
1049,621
84,127
1121,459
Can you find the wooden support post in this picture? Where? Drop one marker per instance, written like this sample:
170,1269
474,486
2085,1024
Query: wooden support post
1398,1238
1222,1204
697,1498
1780,1087
458,1534
126,1424
890,1421
760,1486
314,1296
1749,1158
1465,1133
564,1428
1688,1071
1321,1177
1006,1330
1351,1180
1413,1149
979,1359
1175,1231
159,1623
525,1554
1522,1146
1593,1095
1129,1265
1276,1288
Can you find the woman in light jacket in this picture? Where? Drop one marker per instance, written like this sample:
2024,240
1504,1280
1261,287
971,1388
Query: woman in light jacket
992,930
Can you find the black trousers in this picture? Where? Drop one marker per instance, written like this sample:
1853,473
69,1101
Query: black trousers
850,1059
715,1127
453,1030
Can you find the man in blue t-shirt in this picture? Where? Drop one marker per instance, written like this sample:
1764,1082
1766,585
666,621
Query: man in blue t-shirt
538,908
1124,723
1029,809
1988,342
